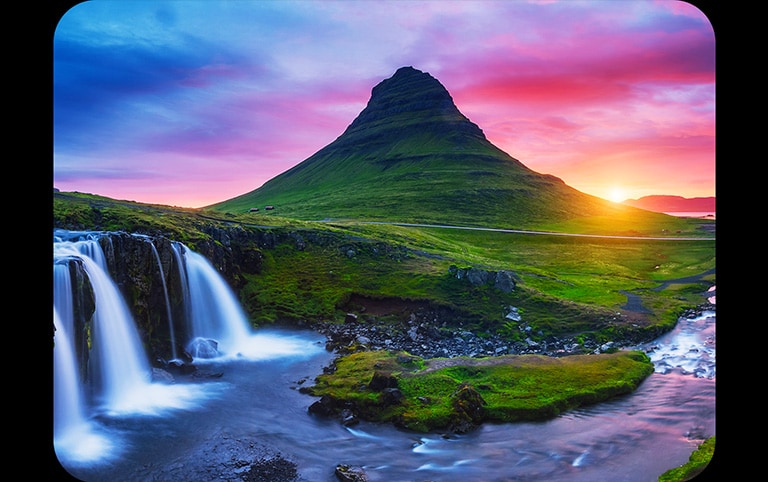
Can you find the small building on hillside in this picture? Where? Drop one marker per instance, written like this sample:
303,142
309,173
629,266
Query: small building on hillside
253,210
269,208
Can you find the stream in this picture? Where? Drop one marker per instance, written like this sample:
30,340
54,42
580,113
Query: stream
255,402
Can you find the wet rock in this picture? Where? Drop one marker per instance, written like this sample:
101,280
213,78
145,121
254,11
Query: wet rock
391,396
205,374
348,417
179,367
350,318
203,348
468,406
380,381
348,473
162,376
223,457
325,407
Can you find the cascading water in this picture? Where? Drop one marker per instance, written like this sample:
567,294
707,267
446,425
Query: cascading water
217,324
116,381
121,363
119,381
633,438
167,301
117,359
68,396
76,438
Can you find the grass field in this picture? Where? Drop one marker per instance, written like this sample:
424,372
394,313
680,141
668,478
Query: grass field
564,284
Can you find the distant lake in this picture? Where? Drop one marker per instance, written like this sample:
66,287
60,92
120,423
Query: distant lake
693,214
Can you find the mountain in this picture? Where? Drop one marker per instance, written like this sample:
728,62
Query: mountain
412,156
670,204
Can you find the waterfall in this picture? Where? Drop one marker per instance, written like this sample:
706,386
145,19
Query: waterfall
76,439
118,381
216,321
101,371
121,361
167,300
117,358
178,253
68,407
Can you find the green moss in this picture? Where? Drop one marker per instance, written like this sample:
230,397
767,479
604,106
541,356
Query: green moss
697,463
512,388
566,286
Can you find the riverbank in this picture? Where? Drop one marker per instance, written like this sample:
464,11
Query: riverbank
262,431
423,334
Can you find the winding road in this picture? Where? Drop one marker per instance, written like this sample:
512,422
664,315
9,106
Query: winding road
496,230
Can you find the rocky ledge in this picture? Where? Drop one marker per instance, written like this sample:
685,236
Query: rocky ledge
424,334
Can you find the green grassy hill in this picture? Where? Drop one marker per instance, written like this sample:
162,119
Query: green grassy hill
411,156
565,284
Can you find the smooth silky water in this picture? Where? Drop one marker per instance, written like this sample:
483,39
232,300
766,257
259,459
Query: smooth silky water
632,438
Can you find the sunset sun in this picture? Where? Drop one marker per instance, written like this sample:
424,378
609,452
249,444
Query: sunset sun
616,194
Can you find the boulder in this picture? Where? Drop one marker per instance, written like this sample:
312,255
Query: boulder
325,407
391,396
348,417
162,376
380,381
203,348
503,280
350,318
468,407
477,276
513,314
348,473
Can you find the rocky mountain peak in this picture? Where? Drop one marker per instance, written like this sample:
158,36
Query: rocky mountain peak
414,96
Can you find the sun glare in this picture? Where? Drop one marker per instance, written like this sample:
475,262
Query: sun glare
616,195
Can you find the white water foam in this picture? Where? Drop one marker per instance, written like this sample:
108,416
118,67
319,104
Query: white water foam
690,351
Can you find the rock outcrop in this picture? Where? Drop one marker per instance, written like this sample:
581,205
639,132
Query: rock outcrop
468,408
146,271
350,473
503,280
418,98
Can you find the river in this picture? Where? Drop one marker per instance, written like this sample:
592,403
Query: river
634,438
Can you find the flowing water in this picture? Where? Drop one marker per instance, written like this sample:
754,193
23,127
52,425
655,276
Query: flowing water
632,438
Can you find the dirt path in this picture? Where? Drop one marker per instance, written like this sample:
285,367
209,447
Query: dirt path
433,364
635,303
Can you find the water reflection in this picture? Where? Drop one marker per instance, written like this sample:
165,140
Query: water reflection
633,438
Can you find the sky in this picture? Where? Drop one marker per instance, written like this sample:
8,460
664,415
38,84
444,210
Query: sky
192,102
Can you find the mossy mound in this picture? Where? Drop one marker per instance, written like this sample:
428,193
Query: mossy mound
458,394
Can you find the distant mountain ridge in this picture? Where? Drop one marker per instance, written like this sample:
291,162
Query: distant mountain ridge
669,204
412,156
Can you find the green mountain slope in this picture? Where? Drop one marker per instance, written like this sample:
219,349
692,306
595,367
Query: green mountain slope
411,156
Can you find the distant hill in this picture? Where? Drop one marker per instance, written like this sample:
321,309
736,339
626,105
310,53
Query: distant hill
411,156
669,204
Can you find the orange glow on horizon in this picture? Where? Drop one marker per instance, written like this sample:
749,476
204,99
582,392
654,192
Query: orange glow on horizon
616,194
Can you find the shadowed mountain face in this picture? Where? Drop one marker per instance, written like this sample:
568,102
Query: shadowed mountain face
411,103
668,204
412,156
